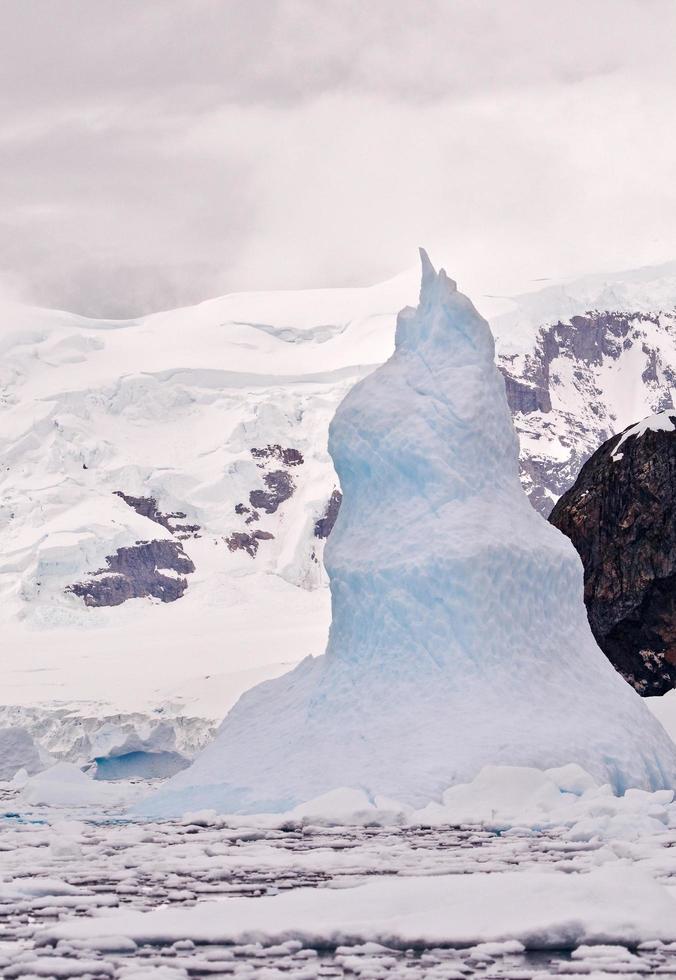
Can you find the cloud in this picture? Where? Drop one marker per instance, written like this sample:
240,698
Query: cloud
156,153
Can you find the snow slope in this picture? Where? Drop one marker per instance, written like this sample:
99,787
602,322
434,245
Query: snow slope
459,636
168,409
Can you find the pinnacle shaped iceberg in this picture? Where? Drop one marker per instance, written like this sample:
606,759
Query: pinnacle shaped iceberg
459,636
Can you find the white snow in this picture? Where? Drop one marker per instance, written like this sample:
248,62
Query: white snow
662,422
459,636
170,406
541,910
649,289
664,709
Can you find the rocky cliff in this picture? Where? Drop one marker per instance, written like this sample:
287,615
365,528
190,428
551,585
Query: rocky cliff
619,514
582,361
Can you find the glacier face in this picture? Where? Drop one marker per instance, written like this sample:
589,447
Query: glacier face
459,637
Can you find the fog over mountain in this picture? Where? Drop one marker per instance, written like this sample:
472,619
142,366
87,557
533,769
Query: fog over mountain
157,153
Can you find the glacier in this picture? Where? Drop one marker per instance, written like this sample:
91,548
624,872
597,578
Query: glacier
459,637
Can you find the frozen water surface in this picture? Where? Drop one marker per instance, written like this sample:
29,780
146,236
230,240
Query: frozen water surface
84,891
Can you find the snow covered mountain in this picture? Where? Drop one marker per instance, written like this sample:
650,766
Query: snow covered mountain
583,360
166,493
166,490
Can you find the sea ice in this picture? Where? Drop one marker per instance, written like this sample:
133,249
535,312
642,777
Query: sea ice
64,784
459,636
539,909
98,887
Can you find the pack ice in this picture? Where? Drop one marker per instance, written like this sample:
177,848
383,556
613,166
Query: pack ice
459,637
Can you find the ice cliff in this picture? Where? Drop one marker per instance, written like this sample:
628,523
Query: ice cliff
459,636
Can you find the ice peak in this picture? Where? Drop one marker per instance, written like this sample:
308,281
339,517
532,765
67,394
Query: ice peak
432,279
429,273
444,319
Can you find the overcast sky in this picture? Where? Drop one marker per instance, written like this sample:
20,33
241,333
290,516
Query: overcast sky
157,152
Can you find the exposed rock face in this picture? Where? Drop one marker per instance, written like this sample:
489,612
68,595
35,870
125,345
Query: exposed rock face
241,541
324,525
620,516
137,572
525,398
147,507
581,381
288,456
280,487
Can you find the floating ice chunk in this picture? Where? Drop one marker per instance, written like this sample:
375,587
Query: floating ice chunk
571,779
351,806
66,785
60,967
505,948
501,794
539,909
602,952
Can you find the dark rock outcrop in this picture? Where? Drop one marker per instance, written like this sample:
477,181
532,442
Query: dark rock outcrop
253,515
147,507
286,456
243,541
138,572
525,398
324,525
619,514
280,487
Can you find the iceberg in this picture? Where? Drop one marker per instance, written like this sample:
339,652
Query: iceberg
459,636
